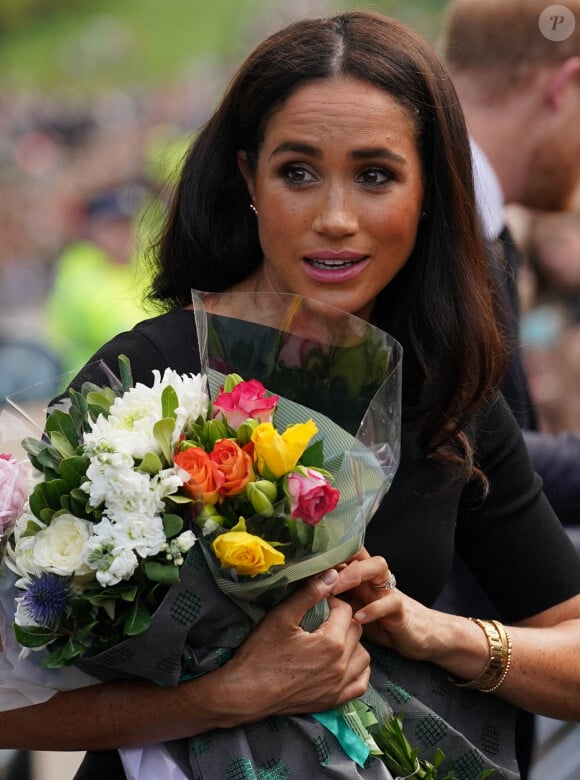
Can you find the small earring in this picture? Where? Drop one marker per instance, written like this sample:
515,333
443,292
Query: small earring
254,209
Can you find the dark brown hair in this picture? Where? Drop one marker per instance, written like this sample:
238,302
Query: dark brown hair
440,305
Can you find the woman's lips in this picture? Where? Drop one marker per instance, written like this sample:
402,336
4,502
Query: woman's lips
334,266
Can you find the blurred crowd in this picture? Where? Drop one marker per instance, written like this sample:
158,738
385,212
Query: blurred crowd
549,287
83,182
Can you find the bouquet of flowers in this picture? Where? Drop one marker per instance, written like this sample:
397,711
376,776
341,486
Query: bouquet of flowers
103,535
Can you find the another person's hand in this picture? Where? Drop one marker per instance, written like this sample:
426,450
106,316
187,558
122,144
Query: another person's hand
282,669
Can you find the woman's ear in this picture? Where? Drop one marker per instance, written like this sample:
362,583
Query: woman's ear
246,172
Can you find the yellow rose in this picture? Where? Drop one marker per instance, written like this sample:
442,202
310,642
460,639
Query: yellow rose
277,454
248,554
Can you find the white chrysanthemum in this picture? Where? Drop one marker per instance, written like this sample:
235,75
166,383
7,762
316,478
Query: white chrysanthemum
129,426
193,399
19,556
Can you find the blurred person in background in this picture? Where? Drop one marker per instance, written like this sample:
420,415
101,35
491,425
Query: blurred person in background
553,250
98,282
520,91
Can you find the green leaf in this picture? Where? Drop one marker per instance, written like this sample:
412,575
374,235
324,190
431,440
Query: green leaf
59,422
163,431
172,525
46,495
62,444
49,460
55,660
177,498
33,446
128,593
126,375
74,470
72,649
161,572
137,620
151,463
78,407
313,455
33,636
100,401
169,402
32,529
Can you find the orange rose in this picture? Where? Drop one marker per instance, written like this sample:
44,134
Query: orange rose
235,464
205,478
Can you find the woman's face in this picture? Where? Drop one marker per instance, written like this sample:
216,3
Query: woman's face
338,190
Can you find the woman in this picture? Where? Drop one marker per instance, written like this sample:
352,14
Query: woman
337,167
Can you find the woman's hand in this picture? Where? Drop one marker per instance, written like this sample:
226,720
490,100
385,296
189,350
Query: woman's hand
390,618
281,668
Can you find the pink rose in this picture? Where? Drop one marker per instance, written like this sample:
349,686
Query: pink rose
247,400
13,491
311,496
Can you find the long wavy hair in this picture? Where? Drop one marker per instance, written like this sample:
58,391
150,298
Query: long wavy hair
441,304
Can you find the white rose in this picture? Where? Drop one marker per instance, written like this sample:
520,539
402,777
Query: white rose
59,547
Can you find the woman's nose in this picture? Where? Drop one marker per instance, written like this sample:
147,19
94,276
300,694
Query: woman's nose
335,216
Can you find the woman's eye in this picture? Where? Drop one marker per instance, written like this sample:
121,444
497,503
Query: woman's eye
376,177
296,174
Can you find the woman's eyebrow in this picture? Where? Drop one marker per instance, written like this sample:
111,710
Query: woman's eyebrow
378,151
299,148
356,154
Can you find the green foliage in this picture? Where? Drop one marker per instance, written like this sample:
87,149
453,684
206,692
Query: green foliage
403,760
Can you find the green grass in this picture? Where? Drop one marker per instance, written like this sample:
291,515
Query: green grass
155,39
133,43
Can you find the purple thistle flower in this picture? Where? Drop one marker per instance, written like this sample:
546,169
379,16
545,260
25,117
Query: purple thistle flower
46,598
